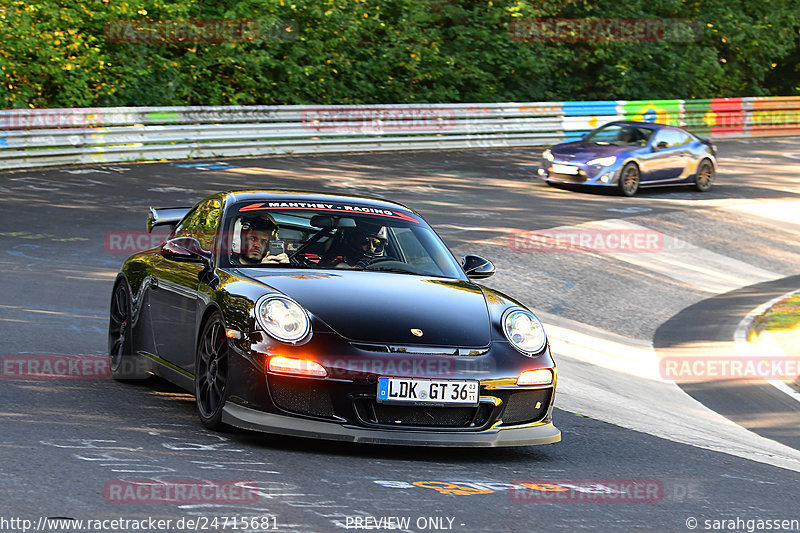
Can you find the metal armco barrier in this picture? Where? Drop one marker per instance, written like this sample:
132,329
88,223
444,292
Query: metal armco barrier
43,137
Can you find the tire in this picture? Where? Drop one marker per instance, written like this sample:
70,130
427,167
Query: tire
629,179
124,364
211,373
704,176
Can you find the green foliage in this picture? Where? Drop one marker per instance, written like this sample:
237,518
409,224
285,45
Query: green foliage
62,53
783,315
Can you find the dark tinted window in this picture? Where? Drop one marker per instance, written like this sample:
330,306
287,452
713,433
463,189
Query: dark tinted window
343,237
620,135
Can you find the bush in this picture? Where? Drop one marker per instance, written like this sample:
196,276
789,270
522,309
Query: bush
61,53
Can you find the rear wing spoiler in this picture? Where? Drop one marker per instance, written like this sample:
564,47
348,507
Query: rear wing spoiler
165,216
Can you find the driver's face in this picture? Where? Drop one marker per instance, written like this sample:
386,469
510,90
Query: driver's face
372,245
254,244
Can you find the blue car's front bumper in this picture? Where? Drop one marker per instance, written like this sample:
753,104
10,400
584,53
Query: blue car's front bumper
580,174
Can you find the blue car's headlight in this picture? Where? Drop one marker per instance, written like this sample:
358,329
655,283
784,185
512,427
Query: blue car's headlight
282,318
547,155
603,161
524,331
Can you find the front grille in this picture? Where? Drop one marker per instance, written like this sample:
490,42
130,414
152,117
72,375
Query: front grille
373,413
420,350
521,406
572,178
301,396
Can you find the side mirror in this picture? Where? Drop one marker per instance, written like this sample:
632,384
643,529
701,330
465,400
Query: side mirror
477,267
660,146
186,249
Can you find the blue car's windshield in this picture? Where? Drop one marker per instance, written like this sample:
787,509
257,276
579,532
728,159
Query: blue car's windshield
620,135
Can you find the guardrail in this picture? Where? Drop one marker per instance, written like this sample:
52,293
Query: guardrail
45,137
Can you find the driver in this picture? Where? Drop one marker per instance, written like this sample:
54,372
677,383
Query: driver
256,235
626,136
363,244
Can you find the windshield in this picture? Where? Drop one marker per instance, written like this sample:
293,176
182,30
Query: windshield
620,135
332,237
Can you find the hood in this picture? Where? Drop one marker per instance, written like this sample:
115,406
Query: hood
580,152
378,307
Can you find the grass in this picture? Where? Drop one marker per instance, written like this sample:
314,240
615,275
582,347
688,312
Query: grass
784,315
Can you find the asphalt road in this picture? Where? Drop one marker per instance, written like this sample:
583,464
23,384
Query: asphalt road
67,443
756,405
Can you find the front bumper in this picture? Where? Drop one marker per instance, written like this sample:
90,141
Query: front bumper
246,418
343,405
586,175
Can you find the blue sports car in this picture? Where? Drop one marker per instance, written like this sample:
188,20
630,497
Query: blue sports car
629,155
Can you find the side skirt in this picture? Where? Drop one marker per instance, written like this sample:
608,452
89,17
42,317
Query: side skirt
170,372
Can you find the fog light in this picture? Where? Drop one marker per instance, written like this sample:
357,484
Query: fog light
543,376
540,172
605,178
301,367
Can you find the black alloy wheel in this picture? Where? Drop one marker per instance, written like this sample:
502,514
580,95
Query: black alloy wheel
124,364
211,373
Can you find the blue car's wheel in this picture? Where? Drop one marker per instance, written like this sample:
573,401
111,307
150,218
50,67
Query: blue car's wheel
704,176
211,373
629,179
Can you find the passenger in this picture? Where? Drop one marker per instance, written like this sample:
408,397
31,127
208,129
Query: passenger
358,246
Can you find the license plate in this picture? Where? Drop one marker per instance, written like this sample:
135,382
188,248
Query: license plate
427,391
564,169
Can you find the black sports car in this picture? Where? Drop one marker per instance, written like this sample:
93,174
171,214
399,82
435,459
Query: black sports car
328,316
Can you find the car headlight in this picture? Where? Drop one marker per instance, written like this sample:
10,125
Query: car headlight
524,331
603,161
282,318
548,155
